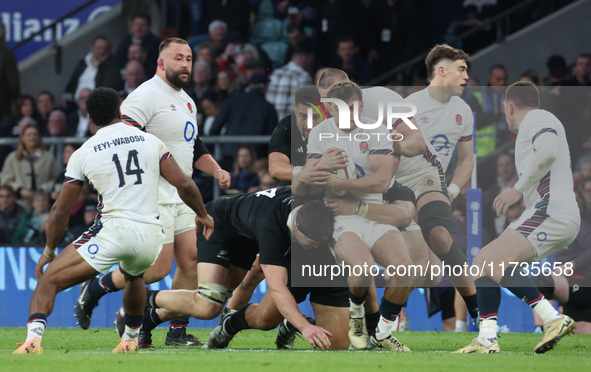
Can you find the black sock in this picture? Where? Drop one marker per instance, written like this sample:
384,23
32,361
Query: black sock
389,310
178,325
237,321
488,293
371,322
151,320
38,317
357,300
151,298
521,286
134,321
101,286
472,305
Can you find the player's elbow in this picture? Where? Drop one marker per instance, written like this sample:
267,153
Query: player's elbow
184,185
275,170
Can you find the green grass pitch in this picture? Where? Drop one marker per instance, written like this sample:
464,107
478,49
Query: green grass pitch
69,349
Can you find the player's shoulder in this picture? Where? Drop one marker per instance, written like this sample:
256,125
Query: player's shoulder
285,122
380,94
324,125
540,118
418,96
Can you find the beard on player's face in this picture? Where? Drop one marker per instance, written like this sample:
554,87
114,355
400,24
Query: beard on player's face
174,77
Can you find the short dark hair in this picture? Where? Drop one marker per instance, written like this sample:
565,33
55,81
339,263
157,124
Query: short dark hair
331,76
533,75
315,221
100,37
346,39
102,105
345,91
51,96
301,50
523,94
213,97
145,16
441,52
497,66
9,189
307,94
170,40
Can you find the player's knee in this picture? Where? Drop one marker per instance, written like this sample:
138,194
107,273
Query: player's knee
436,225
440,239
339,343
213,298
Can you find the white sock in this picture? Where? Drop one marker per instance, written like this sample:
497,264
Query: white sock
130,333
384,328
488,332
35,329
461,325
356,311
546,311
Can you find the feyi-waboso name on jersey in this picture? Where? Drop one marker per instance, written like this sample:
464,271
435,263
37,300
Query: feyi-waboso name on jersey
118,141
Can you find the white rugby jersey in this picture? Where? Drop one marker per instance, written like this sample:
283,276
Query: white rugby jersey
373,96
443,124
172,117
553,194
359,144
123,165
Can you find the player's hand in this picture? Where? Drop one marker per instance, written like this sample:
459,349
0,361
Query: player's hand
395,135
316,336
223,177
333,159
314,174
43,260
207,223
505,200
343,206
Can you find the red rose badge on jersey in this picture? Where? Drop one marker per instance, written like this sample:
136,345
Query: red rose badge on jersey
363,147
191,108
458,119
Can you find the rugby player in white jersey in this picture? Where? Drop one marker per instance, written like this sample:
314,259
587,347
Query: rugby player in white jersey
443,117
161,107
550,222
358,240
125,166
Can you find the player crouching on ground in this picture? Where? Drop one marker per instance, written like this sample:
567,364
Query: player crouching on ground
550,222
127,229
259,223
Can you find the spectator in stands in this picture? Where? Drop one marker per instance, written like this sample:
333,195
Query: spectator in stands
10,214
200,83
531,76
234,58
557,70
347,58
141,35
211,104
585,156
235,13
137,53
30,228
45,105
254,66
247,113
582,71
394,33
225,85
298,39
491,127
78,121
207,53
216,37
474,13
134,76
283,80
29,167
25,108
59,180
506,178
89,213
586,202
99,68
56,125
244,176
9,76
